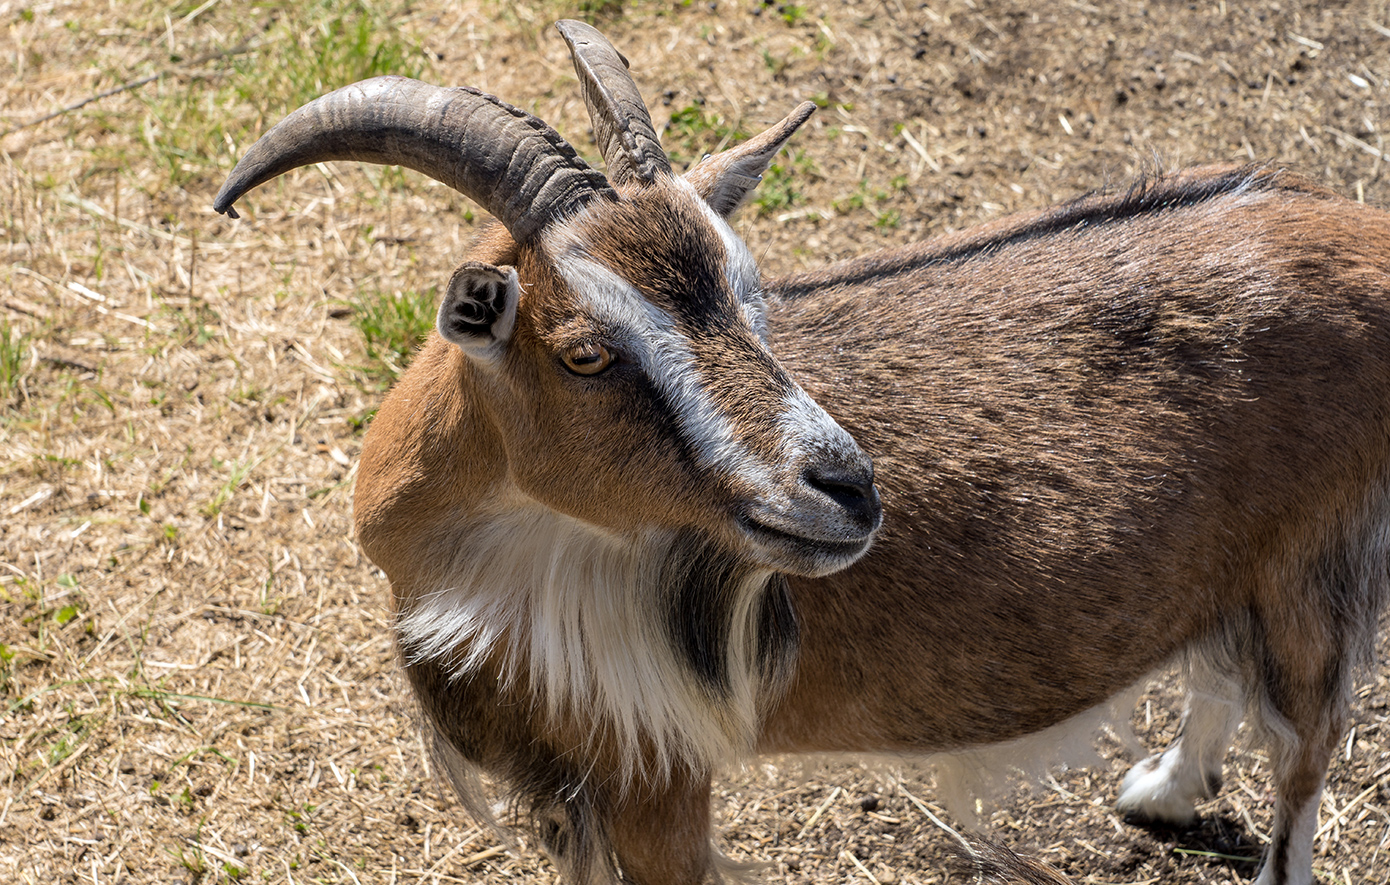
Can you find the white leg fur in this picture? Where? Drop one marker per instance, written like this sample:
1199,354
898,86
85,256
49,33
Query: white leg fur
1165,788
1296,866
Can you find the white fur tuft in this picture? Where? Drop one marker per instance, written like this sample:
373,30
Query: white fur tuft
581,616
1161,789
1165,788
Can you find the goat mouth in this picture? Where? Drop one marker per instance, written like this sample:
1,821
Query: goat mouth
828,554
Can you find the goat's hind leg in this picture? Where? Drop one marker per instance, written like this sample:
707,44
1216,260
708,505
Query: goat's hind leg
1166,787
1303,715
1300,771
1301,711
1311,642
1308,656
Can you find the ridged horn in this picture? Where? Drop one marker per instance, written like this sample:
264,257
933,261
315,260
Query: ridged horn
622,126
505,160
727,178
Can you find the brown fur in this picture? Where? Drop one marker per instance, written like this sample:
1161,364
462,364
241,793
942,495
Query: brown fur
1103,435
993,864
1146,430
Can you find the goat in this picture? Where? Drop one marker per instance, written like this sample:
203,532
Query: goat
631,533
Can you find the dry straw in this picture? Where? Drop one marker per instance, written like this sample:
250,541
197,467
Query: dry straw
196,668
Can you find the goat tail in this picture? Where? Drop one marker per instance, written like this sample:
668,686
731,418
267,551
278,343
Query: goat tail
993,864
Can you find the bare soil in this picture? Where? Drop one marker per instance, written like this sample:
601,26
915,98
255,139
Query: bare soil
196,668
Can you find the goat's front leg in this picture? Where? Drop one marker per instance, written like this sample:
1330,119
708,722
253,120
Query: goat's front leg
661,834
1165,788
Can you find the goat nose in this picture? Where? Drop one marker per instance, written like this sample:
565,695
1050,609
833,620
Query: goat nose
851,487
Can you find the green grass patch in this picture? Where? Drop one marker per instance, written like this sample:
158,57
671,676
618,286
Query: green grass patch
192,323
392,326
791,12
866,197
193,860
236,476
694,131
13,347
778,190
332,44
277,58
164,697
72,736
7,656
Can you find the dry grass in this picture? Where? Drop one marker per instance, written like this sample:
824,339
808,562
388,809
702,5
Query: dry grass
195,662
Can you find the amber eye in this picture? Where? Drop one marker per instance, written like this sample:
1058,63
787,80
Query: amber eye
588,358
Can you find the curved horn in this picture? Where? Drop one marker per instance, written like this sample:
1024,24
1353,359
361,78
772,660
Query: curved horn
502,158
622,127
727,178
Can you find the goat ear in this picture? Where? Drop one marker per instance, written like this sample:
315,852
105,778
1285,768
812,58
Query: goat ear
479,309
726,179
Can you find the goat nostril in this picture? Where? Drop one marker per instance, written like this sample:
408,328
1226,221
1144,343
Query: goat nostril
853,490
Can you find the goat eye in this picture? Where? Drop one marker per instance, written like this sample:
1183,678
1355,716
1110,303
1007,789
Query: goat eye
588,358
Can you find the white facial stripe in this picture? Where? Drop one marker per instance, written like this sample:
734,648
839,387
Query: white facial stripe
803,418
666,358
739,266
805,421
738,263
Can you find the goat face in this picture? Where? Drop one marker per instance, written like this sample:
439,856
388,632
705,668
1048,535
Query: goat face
624,364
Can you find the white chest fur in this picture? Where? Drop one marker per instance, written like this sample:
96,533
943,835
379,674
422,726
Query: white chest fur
585,617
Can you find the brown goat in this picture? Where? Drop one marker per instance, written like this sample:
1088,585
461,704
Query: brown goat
623,505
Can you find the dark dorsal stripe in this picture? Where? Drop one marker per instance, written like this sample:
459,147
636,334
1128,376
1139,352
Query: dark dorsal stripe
1147,196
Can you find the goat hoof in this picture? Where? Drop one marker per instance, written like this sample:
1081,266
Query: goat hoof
1151,793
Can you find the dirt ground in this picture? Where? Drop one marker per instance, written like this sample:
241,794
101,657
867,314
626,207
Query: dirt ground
196,669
